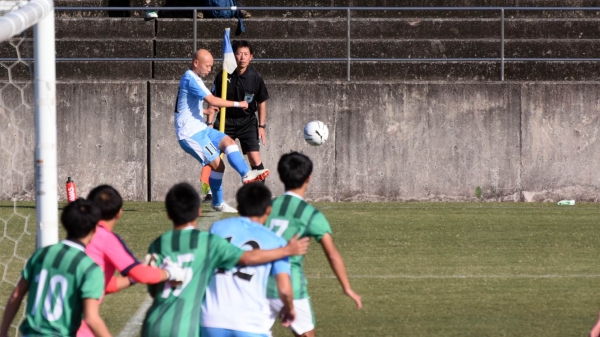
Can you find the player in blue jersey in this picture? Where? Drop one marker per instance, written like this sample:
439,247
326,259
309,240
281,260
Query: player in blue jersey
236,303
204,143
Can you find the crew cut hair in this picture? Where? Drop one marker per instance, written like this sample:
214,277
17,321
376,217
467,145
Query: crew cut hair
79,218
183,203
253,199
294,168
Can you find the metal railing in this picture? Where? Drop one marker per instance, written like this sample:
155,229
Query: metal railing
348,59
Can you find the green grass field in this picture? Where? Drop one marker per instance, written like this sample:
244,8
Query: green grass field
452,269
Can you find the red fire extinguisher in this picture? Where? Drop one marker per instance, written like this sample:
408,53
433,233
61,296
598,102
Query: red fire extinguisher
71,190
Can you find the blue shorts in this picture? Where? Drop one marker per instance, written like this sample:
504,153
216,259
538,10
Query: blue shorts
204,145
217,332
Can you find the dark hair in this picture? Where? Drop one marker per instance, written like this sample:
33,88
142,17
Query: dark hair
240,44
108,200
253,199
79,218
183,203
294,168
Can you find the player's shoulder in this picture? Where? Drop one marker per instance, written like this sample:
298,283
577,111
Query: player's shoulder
267,236
38,255
230,226
156,244
186,76
80,263
253,72
224,224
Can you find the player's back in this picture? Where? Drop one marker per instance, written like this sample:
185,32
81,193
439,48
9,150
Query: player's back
177,311
291,215
60,277
109,252
236,299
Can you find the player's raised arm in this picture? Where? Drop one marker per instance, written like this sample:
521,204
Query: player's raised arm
295,246
12,305
337,265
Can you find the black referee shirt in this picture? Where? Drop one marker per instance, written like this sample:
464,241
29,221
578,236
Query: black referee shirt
248,86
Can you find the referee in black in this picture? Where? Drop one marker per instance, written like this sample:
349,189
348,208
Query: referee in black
245,84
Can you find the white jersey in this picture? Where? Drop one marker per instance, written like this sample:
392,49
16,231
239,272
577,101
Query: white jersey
188,111
237,299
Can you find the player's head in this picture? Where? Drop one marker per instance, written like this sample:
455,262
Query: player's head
243,52
108,200
183,204
294,170
253,199
79,218
202,62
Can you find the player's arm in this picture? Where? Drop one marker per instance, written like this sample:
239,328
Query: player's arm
91,316
286,294
295,246
12,305
596,329
124,261
219,102
262,118
337,265
118,283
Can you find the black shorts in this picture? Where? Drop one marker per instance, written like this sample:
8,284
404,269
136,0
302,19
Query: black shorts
245,129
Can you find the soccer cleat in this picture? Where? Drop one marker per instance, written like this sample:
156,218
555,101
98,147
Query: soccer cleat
224,208
245,14
255,175
151,14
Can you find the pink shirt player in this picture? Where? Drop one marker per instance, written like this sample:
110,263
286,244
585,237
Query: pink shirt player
109,251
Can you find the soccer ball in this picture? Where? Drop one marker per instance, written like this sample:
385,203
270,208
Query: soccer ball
316,133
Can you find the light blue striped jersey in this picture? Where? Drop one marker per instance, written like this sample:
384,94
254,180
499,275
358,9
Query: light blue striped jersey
188,110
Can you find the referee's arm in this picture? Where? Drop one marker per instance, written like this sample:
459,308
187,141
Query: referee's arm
262,118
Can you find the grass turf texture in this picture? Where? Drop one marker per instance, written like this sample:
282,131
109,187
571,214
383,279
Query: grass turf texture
457,269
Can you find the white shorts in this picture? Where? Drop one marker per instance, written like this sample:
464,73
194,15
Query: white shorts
204,145
305,319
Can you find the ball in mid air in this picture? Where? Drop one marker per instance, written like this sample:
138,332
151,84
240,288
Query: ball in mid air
316,133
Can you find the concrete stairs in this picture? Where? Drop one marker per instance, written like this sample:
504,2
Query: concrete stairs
295,35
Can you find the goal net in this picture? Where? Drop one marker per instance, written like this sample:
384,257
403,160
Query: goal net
28,183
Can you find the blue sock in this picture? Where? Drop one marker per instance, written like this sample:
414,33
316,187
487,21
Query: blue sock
236,160
216,186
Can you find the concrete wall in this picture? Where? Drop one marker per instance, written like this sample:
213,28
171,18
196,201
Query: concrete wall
388,140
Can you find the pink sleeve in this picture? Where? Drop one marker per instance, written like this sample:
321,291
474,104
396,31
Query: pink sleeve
118,254
146,274
112,286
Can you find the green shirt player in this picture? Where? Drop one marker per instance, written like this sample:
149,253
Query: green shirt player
292,216
176,310
62,280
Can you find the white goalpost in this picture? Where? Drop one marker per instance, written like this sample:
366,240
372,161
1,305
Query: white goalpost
40,15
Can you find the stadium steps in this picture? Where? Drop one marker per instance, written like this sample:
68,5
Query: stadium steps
356,3
326,38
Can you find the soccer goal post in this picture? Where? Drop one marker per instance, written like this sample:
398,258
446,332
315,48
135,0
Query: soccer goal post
40,15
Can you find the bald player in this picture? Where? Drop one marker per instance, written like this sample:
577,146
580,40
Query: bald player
204,143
